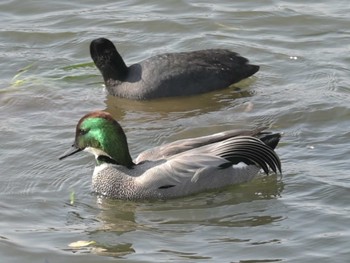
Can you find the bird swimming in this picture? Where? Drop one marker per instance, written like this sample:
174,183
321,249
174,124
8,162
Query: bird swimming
175,169
169,74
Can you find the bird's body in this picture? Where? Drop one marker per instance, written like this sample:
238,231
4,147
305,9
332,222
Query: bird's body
170,74
177,169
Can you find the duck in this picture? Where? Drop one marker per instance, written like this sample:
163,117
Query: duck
172,170
169,74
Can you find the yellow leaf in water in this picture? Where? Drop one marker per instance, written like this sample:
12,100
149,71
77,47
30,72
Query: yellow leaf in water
17,83
23,70
72,198
81,243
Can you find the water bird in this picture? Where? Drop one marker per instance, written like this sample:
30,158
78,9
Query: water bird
170,74
176,169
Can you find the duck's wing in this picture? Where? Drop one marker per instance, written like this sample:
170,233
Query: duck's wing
178,171
206,160
165,151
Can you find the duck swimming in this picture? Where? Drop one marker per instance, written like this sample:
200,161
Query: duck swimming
169,75
171,170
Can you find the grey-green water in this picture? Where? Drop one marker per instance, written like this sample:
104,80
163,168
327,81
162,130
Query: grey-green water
47,82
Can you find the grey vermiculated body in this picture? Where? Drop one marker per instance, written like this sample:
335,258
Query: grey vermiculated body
113,181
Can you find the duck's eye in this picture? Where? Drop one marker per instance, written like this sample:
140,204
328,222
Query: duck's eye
83,131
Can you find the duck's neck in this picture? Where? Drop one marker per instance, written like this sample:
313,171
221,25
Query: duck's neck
115,157
115,70
113,152
101,159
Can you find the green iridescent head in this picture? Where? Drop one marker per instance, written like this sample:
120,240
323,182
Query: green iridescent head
101,135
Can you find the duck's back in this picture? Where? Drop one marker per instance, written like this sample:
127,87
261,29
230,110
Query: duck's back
185,73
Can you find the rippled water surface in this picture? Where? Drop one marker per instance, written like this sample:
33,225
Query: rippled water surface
48,81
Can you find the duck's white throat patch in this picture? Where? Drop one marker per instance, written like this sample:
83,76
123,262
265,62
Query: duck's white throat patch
96,152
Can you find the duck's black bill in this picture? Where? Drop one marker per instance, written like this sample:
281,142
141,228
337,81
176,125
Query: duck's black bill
70,152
